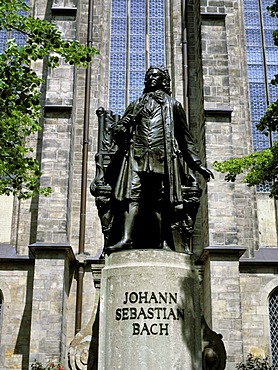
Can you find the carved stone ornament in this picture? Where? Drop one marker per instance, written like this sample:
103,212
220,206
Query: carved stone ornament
214,354
83,350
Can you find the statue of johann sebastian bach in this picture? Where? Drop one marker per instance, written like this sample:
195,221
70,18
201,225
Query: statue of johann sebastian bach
154,139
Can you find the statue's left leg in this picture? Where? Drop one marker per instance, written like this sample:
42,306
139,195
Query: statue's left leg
161,212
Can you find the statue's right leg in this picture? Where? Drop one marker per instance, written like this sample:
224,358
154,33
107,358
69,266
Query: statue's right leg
126,242
130,216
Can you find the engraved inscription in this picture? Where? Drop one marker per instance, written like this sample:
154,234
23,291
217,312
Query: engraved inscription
148,308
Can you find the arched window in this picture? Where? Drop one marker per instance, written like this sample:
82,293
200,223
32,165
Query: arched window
273,323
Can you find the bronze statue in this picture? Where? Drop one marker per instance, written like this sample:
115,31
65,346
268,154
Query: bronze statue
145,177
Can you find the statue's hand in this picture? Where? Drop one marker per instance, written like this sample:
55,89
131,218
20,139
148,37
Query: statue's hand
206,173
126,121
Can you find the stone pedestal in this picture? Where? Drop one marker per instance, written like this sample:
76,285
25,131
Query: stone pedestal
149,312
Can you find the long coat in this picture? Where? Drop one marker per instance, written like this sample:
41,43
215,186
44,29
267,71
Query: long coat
178,142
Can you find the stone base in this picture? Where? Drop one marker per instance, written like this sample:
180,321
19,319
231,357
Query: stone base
149,312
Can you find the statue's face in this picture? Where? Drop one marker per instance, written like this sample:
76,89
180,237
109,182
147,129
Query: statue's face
153,80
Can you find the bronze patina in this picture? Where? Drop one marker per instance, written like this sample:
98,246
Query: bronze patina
145,194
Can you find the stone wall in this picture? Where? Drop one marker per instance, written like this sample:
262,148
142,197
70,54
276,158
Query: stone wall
232,206
99,97
51,285
16,285
6,205
222,299
60,143
267,220
196,116
257,283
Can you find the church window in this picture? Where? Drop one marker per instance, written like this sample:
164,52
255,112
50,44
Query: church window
273,323
137,41
262,64
13,34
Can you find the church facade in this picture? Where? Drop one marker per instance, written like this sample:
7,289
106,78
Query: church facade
220,57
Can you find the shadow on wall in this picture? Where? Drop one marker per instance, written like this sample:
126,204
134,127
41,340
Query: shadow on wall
22,346
93,350
34,207
191,325
205,346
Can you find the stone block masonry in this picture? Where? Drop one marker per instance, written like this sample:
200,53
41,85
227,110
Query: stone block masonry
50,301
231,207
221,292
16,292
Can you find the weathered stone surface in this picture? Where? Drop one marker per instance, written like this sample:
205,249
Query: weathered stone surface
149,312
50,301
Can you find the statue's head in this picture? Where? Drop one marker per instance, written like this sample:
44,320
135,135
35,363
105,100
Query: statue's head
157,78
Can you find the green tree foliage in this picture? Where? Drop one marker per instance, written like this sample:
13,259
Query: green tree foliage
273,9
254,363
20,86
259,167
